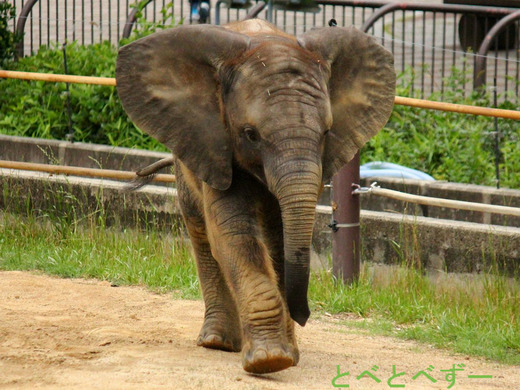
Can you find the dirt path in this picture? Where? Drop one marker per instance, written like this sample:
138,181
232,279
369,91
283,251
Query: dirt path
61,333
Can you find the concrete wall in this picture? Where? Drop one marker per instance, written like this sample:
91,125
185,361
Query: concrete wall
386,238
388,235
107,157
78,154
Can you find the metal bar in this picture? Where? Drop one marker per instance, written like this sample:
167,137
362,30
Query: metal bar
32,32
100,21
20,25
66,23
57,22
109,20
391,7
92,21
73,20
83,22
479,78
255,10
454,32
393,33
48,24
132,18
413,54
433,52
403,47
443,67
423,70
40,22
507,57
118,19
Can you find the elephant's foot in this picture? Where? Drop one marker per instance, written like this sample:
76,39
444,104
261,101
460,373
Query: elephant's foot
216,336
263,359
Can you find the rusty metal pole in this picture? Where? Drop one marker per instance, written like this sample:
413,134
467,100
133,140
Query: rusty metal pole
346,254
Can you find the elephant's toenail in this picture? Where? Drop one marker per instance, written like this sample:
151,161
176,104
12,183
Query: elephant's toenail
260,354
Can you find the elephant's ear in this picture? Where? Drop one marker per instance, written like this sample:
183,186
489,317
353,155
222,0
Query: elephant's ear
168,86
361,89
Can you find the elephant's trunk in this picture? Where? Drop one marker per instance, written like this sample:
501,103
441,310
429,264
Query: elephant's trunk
298,195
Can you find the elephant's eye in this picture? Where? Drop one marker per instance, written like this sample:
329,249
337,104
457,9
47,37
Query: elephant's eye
251,135
326,132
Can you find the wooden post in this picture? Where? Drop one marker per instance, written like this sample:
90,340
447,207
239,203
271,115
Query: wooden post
346,246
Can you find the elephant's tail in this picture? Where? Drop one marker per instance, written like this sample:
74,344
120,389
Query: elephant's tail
145,175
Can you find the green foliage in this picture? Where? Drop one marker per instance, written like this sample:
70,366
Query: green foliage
38,109
8,39
449,146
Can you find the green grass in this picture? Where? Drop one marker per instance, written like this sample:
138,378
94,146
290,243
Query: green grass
123,257
478,316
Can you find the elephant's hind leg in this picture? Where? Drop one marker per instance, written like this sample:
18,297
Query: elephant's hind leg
221,328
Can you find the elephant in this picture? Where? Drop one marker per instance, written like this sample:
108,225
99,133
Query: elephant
257,121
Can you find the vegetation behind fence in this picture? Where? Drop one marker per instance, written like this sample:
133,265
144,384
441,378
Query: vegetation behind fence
431,39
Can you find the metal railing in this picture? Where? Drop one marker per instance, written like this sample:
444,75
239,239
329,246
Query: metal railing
434,46
436,41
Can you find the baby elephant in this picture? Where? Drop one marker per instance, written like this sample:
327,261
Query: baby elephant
257,121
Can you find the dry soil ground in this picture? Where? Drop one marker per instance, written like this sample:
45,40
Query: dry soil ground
61,333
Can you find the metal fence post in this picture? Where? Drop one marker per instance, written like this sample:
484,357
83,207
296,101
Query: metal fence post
346,249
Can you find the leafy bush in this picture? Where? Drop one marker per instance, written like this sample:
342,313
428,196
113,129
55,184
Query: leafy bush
37,109
8,39
449,146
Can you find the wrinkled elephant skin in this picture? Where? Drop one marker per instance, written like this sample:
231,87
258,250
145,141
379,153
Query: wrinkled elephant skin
257,120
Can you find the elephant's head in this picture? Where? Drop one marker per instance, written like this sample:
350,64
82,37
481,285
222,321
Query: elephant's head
291,112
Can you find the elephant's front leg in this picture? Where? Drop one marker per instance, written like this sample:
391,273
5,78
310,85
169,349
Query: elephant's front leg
236,243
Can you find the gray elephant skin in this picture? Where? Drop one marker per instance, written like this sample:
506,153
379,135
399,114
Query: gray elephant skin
257,121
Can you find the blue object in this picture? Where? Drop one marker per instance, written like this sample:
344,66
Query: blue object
385,169
200,11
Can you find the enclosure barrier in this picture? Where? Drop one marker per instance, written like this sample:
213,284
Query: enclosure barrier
346,234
